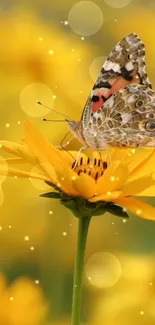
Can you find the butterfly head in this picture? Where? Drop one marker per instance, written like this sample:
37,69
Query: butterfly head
76,129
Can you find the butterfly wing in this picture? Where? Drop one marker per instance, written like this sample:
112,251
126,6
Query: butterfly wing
124,65
127,119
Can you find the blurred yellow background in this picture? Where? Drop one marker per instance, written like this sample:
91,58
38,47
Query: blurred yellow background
52,51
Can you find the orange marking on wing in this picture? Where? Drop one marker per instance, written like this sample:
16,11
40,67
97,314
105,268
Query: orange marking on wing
97,105
117,84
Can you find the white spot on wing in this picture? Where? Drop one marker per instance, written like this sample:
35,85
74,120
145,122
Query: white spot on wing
111,65
129,66
125,117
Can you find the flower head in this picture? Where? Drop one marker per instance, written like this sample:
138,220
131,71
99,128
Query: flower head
94,185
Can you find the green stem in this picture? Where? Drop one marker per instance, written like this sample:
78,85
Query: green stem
78,269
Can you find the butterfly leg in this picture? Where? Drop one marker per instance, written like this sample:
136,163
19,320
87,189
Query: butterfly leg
64,144
78,155
109,156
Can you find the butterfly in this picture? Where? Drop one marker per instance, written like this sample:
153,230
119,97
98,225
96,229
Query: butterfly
120,110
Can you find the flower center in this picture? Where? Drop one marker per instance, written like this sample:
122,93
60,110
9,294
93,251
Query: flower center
94,168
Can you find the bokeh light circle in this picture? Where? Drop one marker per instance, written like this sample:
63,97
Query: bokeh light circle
4,167
117,3
96,66
31,94
85,18
103,270
1,196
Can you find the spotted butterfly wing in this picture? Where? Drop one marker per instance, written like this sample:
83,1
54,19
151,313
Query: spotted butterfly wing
120,110
127,119
124,65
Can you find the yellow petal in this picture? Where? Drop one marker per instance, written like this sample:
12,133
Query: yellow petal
84,185
119,154
65,179
137,207
140,162
18,150
41,148
109,197
138,184
23,174
11,161
113,178
150,191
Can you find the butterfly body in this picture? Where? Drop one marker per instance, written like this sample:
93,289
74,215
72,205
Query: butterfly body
120,111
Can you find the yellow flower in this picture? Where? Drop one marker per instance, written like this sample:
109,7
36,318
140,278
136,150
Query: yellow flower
21,303
131,173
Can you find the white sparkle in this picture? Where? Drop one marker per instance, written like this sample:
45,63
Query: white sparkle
50,52
36,281
82,38
15,177
29,178
26,238
124,210
54,96
65,22
108,193
0,145
58,184
89,278
50,212
73,178
11,298
150,283
124,220
138,211
70,225
112,178
115,20
19,122
10,226
7,125
32,248
64,233
141,312
113,223
0,228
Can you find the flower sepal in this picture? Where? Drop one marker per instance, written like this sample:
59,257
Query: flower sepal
80,207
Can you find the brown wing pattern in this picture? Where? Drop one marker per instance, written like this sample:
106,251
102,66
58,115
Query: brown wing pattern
127,119
125,65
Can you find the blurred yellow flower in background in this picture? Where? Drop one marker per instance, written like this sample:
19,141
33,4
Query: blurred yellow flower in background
126,176
40,60
21,303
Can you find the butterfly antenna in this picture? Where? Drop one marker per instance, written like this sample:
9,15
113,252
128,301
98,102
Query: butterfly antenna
47,120
53,110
